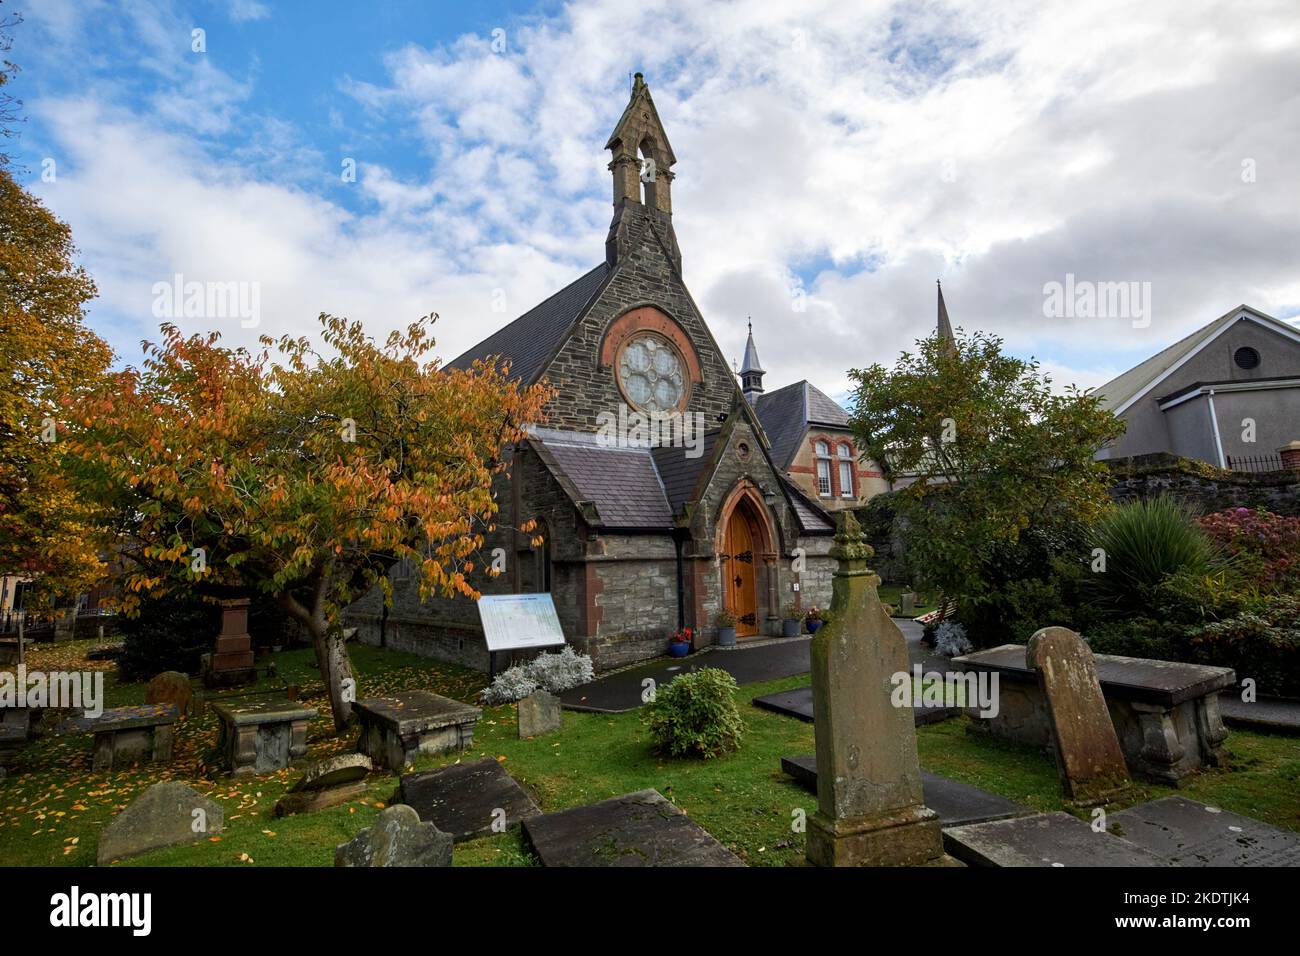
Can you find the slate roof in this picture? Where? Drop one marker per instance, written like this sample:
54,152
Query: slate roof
788,412
811,516
679,473
530,340
621,483
1120,390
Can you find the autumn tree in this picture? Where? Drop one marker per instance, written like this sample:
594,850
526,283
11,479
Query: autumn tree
301,474
990,449
47,357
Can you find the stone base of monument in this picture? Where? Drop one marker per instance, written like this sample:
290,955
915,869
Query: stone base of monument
1045,839
219,679
636,829
467,800
395,729
955,802
909,837
1193,834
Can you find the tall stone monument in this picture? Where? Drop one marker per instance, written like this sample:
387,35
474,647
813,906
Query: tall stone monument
871,810
231,662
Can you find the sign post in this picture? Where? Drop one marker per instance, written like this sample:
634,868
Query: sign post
514,622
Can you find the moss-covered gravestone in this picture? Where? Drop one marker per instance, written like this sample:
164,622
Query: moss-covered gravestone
871,810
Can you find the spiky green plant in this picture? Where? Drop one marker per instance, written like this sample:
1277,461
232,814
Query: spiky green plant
1142,544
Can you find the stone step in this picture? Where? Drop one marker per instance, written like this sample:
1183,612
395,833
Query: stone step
1045,839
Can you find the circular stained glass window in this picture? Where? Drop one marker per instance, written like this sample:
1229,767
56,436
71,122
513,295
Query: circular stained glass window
652,374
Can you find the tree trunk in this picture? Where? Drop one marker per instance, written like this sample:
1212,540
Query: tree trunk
336,670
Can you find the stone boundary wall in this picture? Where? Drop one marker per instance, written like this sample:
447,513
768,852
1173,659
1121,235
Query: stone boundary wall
1204,487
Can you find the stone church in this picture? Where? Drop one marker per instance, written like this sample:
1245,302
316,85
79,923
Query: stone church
642,537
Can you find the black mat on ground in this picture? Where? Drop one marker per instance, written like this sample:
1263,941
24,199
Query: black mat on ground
636,829
1193,834
956,803
464,798
798,703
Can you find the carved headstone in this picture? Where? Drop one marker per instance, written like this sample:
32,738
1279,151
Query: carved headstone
539,713
1088,753
397,838
871,810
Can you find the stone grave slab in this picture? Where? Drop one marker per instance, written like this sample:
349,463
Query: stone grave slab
635,829
539,713
463,799
956,803
126,735
1193,834
1274,714
1044,839
167,814
326,783
394,729
798,703
1166,713
262,734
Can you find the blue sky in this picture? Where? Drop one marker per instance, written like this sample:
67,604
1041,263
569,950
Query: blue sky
850,152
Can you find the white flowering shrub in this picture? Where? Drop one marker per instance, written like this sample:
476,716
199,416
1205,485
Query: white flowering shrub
562,671
548,672
950,640
510,685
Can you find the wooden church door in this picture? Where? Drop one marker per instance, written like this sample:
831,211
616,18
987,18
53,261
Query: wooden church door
740,571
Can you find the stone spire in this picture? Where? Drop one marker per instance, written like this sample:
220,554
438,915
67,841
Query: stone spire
642,168
945,326
751,372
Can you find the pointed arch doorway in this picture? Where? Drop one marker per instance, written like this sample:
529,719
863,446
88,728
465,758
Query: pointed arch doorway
747,556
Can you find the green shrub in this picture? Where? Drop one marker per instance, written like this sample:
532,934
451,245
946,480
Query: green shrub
1144,543
696,715
170,634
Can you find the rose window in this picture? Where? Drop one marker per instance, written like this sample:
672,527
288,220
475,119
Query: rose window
652,374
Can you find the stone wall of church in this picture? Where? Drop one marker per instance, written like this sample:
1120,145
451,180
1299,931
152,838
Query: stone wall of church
585,388
635,594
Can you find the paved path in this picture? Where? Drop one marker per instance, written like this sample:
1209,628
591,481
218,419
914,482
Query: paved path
1276,714
622,691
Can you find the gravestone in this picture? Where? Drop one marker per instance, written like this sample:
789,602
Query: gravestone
1193,834
397,838
261,734
467,800
167,814
871,807
1087,749
635,829
539,713
231,661
170,687
395,729
327,783
1045,839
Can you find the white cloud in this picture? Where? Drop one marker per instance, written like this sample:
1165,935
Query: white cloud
998,148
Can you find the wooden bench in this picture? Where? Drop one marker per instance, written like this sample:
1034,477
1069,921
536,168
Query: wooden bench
126,735
1166,713
395,729
261,734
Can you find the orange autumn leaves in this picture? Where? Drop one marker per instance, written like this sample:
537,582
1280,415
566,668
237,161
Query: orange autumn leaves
223,467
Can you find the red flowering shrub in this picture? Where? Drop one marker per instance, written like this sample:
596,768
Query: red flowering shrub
1265,547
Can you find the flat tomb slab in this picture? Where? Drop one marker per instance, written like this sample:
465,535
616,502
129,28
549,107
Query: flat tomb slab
636,829
1193,834
956,803
121,718
799,703
1127,678
262,735
395,729
1045,839
266,710
464,799
1276,714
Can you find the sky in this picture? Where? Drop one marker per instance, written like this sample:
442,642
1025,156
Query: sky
389,160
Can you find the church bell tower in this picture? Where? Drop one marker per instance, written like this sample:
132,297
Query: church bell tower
643,178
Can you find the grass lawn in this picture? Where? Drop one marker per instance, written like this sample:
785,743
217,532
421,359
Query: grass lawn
891,594
52,804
